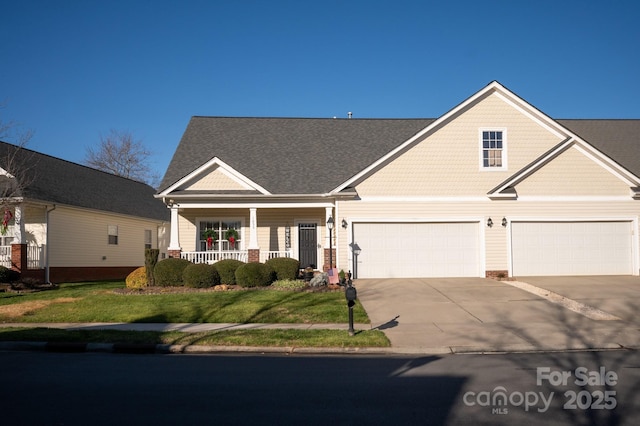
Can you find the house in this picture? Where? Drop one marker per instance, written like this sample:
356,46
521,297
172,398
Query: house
494,187
67,222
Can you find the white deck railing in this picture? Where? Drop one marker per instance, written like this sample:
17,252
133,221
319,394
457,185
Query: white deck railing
214,256
266,255
5,256
35,257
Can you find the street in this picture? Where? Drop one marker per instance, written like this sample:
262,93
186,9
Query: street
40,388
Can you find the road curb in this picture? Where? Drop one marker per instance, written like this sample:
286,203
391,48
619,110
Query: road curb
142,349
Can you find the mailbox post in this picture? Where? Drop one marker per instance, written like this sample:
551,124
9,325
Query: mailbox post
351,295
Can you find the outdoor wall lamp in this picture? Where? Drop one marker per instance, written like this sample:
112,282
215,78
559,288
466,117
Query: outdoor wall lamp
504,222
489,223
344,224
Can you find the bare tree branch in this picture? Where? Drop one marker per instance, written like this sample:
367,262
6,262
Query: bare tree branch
16,163
120,154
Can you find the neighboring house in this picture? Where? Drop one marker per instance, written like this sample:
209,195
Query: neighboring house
70,222
494,187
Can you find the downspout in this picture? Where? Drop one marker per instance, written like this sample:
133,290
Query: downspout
46,264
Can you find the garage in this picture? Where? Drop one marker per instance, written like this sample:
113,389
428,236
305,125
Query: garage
418,249
572,248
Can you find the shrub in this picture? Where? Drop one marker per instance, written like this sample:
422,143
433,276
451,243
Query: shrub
290,285
8,275
286,268
254,275
137,278
227,270
168,272
200,275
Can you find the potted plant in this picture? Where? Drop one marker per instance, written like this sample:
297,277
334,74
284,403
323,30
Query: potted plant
343,277
232,237
211,236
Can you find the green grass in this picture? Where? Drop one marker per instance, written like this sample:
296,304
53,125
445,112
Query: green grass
96,302
274,338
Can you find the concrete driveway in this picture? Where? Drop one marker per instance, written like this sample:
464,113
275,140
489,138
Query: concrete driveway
477,315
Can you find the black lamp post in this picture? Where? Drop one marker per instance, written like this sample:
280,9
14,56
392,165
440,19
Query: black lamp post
330,228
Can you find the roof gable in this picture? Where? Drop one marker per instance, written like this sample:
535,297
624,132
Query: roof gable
595,159
288,155
215,175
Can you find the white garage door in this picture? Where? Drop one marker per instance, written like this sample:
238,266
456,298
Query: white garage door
405,250
572,248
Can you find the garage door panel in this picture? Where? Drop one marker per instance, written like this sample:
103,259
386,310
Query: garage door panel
572,248
404,250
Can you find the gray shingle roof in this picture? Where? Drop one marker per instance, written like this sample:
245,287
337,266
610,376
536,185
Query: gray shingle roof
54,180
289,155
618,139
314,156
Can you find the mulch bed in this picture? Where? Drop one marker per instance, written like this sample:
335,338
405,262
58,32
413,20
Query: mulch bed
26,287
216,289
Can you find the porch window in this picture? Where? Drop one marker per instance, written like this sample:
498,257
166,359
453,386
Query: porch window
220,235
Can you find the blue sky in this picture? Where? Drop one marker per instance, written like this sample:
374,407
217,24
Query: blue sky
74,69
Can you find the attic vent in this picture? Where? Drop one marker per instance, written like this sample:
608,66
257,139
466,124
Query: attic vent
349,114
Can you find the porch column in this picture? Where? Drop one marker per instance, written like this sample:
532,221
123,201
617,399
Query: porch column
253,228
253,249
174,248
18,229
18,244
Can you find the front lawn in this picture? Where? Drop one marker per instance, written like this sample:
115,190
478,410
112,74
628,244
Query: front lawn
97,302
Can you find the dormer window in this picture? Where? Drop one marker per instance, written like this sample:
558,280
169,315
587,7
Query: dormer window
493,144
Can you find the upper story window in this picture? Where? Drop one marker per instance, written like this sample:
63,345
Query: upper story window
493,148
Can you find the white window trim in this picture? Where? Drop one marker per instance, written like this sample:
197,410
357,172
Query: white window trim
242,230
504,149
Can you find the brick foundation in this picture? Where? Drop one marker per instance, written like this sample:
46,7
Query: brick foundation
253,255
174,253
19,257
325,266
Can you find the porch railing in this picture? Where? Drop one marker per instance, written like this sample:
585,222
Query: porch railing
214,256
266,255
5,256
35,256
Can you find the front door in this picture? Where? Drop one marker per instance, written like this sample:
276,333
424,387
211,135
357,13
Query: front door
307,245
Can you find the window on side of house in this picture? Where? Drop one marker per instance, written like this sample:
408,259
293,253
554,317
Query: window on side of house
148,240
219,235
493,149
7,238
113,234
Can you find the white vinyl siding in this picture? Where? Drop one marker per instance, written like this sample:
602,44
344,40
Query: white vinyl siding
77,239
404,250
572,248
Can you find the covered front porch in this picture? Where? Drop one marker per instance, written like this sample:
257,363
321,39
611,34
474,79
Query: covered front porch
208,234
